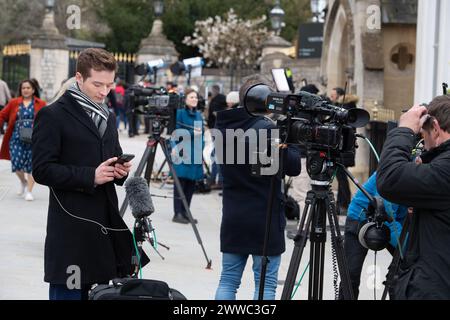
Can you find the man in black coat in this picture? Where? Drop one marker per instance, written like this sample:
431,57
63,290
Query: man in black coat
425,186
75,145
244,210
218,103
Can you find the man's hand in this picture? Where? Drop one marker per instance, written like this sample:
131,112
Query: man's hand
412,118
105,172
122,170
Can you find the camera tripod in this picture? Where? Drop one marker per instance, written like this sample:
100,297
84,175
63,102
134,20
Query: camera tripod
147,162
319,205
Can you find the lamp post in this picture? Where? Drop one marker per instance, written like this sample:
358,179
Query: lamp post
276,17
315,9
49,5
158,7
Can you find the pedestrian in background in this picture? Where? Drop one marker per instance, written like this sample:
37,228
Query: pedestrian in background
20,113
5,96
188,172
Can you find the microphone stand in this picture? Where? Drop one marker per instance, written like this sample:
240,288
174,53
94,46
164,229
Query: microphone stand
142,229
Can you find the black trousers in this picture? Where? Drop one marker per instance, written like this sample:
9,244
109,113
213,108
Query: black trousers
2,130
355,255
188,187
132,123
344,195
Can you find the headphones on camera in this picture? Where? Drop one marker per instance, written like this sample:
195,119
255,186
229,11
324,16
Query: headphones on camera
375,235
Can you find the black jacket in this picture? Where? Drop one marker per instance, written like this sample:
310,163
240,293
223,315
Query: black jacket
425,273
218,103
67,149
245,196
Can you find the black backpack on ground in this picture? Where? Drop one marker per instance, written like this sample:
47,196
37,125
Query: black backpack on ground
291,208
135,289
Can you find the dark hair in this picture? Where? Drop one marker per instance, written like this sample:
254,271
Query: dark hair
311,88
97,59
216,88
32,84
37,91
439,108
250,82
188,91
339,91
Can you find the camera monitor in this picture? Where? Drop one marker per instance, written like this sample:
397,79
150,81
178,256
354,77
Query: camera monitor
280,79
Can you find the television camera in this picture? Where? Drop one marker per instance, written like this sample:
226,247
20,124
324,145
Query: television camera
310,121
156,104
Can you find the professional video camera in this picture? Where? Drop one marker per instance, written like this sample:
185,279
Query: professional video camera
157,103
310,121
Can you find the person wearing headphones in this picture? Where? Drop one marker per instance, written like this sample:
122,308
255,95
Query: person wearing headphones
355,252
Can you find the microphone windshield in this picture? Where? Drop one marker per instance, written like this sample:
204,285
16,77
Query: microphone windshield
139,197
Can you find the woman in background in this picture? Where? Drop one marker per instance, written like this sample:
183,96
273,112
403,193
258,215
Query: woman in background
20,112
190,168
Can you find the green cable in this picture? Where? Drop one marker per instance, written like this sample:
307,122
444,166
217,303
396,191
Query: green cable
299,281
373,149
137,254
397,236
155,242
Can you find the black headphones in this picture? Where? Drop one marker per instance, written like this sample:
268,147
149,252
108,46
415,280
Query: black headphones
375,235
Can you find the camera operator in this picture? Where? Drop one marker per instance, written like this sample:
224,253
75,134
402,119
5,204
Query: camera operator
245,206
424,273
355,253
130,113
75,145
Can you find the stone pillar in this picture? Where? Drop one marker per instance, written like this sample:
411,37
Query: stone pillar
157,46
49,57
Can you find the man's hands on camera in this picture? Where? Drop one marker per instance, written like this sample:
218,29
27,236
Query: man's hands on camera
413,118
105,172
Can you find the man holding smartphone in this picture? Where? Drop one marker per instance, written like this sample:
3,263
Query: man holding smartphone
75,153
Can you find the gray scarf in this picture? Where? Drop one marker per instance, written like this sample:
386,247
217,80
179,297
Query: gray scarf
97,112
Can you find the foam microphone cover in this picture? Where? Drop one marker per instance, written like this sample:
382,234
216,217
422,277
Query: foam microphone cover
139,197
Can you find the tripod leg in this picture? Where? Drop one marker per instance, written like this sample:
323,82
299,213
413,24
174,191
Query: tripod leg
299,242
149,167
147,159
161,168
317,254
338,243
183,199
264,259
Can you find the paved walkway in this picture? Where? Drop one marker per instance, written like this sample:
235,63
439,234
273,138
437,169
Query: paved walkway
23,228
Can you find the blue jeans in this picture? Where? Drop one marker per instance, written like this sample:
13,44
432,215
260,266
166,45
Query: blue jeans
215,169
61,292
233,266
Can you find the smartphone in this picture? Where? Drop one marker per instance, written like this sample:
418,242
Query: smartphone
124,158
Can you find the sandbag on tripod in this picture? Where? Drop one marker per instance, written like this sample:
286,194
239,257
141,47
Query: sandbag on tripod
135,289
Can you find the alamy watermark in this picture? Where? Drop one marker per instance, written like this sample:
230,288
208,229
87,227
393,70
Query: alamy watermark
74,280
73,21
373,21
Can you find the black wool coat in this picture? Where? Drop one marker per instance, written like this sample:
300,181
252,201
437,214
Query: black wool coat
67,148
245,197
425,271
